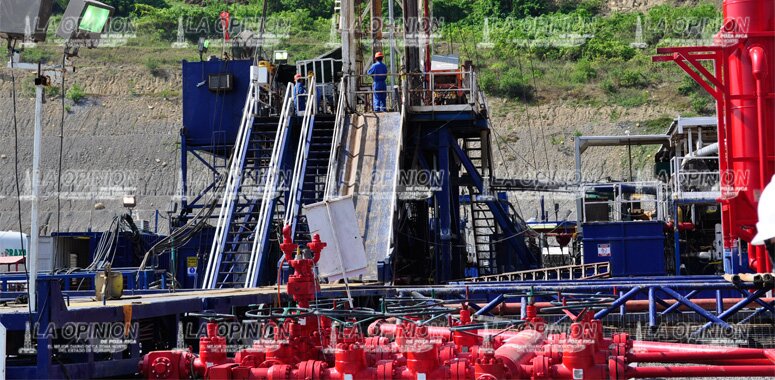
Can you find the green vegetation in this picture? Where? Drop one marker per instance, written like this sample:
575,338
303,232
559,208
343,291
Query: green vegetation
76,93
35,55
534,51
53,91
577,52
655,126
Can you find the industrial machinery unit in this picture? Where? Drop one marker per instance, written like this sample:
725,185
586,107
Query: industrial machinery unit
454,283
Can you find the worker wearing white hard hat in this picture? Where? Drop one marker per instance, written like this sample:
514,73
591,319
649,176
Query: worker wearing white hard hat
765,227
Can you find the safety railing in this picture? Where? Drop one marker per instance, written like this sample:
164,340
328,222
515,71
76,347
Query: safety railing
695,177
231,190
624,201
270,193
325,71
444,88
434,90
302,153
365,92
566,272
332,179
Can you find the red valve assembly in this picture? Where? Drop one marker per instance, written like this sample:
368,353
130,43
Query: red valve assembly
329,339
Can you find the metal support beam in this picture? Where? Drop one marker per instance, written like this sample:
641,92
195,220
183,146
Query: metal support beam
513,235
702,312
443,202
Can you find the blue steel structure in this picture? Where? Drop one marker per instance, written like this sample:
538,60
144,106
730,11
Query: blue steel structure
159,312
213,135
453,141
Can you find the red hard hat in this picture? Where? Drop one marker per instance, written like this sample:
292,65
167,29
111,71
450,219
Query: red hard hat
378,55
297,77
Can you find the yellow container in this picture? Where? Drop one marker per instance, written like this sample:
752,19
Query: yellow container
115,285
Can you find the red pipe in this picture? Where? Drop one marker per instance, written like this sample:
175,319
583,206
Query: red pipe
690,357
519,350
649,346
759,71
700,371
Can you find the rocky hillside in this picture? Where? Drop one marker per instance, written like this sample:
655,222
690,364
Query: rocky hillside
121,138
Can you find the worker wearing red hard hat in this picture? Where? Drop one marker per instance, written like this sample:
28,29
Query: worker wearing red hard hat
378,72
765,227
299,91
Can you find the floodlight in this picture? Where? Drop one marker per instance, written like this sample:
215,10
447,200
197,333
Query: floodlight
130,201
84,20
24,19
281,56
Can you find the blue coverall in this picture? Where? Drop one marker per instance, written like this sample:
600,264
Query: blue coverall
378,71
299,99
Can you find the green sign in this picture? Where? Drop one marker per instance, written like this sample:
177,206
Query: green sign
15,252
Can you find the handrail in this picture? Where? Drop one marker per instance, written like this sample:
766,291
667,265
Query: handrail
302,154
704,181
231,190
599,268
264,221
333,173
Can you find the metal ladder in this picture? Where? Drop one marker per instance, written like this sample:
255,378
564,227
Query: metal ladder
232,259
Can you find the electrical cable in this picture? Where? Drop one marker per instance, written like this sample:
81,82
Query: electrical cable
527,116
61,141
12,49
543,136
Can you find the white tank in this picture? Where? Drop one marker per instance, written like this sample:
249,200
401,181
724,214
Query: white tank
11,244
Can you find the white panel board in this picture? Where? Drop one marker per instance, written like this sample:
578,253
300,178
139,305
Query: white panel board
45,254
335,221
3,345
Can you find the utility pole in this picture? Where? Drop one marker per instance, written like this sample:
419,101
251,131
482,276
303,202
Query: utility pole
391,38
32,254
347,26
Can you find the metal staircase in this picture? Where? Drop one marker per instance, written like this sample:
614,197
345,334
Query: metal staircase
249,198
485,227
312,164
492,221
485,230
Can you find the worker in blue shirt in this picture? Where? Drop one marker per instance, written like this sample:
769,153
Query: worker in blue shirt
299,91
378,72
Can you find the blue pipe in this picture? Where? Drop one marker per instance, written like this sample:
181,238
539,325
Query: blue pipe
760,302
491,305
523,308
652,308
755,313
619,302
735,308
676,305
704,313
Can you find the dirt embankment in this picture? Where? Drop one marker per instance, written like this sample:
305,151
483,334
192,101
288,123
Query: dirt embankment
122,138
537,143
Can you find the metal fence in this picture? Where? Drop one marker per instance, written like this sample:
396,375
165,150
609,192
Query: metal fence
695,177
624,201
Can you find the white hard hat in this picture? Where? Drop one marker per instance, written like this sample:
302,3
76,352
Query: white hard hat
765,227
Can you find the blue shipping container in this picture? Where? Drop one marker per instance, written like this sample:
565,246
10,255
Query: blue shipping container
632,248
